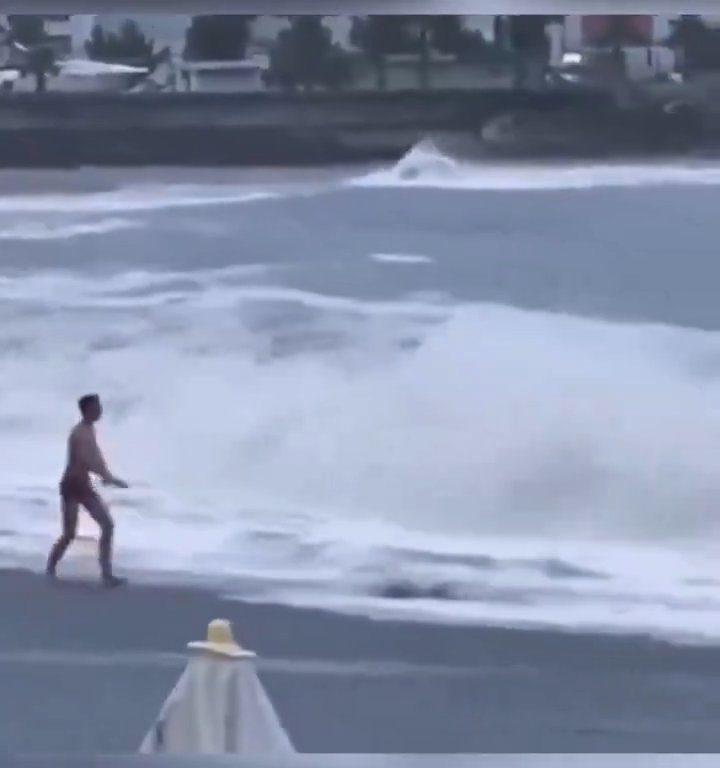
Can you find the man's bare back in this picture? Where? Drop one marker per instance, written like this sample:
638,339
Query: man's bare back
84,459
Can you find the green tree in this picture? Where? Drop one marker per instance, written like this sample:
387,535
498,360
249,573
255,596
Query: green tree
527,33
29,32
218,38
448,32
451,36
130,44
40,64
304,56
529,43
698,44
422,30
378,37
444,33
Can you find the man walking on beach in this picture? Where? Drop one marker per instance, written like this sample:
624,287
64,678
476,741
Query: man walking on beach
85,458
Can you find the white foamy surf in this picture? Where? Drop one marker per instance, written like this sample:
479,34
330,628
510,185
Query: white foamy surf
146,197
408,457
41,230
400,258
426,166
511,468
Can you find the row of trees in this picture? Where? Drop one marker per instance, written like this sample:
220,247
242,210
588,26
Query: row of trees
304,55
127,45
39,59
699,44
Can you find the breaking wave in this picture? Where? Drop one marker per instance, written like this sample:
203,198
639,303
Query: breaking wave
426,165
531,467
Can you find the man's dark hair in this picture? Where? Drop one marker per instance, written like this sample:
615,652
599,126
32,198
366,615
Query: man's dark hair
86,401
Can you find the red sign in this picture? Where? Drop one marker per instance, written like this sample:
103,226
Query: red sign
625,30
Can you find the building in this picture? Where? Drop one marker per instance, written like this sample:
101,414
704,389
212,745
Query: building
81,25
641,39
59,33
592,30
66,33
167,30
402,73
243,76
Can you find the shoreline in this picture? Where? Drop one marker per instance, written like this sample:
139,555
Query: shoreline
99,179
86,671
206,129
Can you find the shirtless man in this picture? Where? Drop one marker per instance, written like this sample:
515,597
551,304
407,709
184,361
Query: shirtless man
84,458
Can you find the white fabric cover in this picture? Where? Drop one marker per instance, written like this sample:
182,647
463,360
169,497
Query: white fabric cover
218,706
90,68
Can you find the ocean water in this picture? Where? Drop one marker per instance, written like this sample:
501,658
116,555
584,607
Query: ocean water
441,391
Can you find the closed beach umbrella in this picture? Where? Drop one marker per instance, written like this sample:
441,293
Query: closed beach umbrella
218,706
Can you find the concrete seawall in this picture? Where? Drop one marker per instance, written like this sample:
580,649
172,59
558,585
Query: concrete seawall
57,129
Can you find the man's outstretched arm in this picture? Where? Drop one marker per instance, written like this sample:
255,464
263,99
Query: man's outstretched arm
96,462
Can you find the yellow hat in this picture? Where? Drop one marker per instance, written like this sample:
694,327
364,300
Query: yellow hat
220,641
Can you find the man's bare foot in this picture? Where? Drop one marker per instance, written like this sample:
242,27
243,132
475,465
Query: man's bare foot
113,581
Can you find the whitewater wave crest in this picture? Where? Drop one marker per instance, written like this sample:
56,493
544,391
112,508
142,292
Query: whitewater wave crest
535,467
42,231
133,198
426,166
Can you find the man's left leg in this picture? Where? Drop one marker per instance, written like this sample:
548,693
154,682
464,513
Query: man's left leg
97,509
